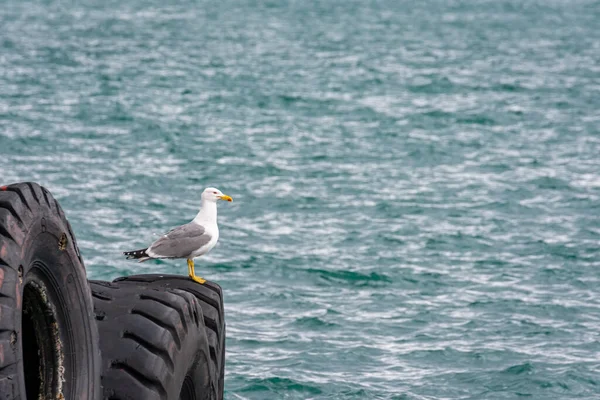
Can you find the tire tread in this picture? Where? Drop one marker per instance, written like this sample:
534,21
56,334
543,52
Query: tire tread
9,206
157,321
19,192
147,336
152,348
210,298
150,383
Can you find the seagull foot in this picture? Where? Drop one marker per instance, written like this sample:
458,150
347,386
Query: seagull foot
198,279
192,273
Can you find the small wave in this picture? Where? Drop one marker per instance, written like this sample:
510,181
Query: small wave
548,182
519,369
352,277
476,120
509,87
314,323
279,385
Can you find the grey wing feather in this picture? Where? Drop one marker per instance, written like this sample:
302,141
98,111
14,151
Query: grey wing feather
181,242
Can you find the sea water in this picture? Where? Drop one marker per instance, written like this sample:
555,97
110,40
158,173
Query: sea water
416,184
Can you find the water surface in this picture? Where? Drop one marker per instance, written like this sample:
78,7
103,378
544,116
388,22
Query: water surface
416,184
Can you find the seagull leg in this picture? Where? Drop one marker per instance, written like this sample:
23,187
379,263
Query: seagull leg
192,273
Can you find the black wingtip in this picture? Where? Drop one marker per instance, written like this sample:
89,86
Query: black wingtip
135,254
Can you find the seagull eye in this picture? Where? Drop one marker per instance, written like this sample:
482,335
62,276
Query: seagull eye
214,192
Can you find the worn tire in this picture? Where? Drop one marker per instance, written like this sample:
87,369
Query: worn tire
210,297
48,338
153,342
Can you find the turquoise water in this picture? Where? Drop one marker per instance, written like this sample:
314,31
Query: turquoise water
416,184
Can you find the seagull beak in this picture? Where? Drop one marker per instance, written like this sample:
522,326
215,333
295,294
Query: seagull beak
225,197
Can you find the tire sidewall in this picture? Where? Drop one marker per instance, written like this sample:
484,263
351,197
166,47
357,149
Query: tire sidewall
61,275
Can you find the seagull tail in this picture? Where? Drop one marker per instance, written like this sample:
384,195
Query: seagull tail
140,255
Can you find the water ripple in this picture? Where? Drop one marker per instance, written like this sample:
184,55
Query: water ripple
416,185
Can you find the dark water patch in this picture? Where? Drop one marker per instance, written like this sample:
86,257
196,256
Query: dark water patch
391,239
314,323
551,183
509,87
433,85
352,277
519,369
276,385
425,281
227,267
476,120
437,114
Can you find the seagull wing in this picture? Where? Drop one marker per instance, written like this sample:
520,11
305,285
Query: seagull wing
180,242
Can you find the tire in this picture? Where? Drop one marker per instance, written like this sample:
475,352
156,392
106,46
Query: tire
210,298
48,338
153,342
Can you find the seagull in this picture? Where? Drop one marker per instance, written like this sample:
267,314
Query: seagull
188,241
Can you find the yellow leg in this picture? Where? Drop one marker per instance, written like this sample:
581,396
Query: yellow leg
193,274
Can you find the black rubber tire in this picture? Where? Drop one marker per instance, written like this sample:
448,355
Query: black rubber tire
153,342
48,338
210,297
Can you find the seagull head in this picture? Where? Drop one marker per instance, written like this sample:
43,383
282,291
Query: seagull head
212,194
